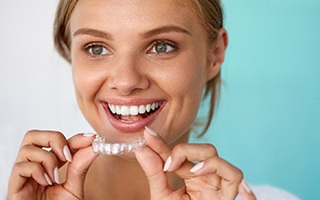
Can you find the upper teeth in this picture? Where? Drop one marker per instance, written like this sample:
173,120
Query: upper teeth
133,110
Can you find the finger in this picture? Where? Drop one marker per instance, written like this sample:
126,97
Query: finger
152,164
79,141
192,152
230,175
158,145
49,139
83,157
245,191
23,171
48,160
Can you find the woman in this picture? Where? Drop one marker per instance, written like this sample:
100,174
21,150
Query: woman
139,69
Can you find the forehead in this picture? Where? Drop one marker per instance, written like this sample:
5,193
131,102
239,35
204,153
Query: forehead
132,14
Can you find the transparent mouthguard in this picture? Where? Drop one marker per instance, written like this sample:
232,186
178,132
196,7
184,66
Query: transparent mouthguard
100,146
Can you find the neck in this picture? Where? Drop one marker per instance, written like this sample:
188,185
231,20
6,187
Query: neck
112,177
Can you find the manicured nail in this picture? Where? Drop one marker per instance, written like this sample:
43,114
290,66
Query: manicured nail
167,164
246,186
56,175
67,154
47,179
89,134
151,132
197,167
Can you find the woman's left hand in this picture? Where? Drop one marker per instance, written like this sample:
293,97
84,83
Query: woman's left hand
211,178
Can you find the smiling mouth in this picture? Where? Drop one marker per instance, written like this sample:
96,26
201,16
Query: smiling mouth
131,114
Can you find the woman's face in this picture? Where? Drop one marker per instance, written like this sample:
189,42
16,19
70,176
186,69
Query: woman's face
139,63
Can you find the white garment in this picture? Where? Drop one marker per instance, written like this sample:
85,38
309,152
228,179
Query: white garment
266,192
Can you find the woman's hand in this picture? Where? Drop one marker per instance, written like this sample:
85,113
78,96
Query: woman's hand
211,178
35,174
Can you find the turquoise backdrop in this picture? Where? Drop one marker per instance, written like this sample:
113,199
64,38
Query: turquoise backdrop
268,120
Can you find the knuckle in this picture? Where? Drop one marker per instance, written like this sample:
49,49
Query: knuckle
24,150
238,175
210,149
30,134
180,148
57,135
16,167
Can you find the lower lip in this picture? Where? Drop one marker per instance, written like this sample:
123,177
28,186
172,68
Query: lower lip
134,126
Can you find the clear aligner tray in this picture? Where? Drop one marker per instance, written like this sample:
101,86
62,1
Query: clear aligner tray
100,146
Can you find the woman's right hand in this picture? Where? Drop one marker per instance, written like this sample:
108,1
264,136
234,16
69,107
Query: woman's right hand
35,174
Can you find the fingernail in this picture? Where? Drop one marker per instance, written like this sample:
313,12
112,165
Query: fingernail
47,179
167,164
67,154
151,132
197,167
56,175
89,134
246,186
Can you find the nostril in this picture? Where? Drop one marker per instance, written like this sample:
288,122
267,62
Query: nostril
126,84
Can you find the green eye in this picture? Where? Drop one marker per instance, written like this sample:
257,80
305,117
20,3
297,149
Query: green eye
97,50
162,47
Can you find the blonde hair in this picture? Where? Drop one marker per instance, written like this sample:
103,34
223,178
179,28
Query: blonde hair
208,11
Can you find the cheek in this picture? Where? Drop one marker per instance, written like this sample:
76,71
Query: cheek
189,77
184,84
86,82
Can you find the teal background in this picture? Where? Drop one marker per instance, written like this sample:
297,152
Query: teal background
267,121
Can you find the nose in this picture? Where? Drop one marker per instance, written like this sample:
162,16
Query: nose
127,76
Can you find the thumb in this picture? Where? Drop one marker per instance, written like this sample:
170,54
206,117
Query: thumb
152,166
82,159
245,192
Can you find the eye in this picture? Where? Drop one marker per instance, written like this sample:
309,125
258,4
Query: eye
97,50
162,47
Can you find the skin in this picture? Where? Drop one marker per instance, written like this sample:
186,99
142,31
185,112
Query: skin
130,72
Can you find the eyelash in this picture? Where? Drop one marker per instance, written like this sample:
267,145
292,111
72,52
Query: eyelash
88,48
171,45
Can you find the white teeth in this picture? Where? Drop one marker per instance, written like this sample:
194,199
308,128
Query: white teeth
133,110
148,107
118,110
142,109
112,108
124,110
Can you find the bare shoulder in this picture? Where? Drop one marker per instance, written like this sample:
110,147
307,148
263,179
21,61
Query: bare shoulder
267,192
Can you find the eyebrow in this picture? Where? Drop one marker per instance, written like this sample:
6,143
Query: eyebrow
148,34
165,29
93,32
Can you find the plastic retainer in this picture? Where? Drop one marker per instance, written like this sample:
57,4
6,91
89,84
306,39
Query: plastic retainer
100,146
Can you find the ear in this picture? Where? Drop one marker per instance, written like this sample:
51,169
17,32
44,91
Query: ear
216,53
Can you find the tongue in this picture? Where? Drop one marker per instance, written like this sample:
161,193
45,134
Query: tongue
130,118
